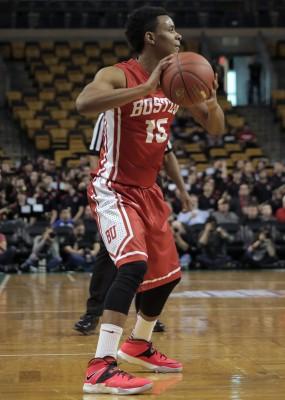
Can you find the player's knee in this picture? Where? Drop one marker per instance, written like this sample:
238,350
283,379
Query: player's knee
131,274
124,287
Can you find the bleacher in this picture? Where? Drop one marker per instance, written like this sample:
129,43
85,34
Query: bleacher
59,71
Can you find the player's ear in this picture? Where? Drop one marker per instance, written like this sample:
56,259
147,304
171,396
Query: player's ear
149,38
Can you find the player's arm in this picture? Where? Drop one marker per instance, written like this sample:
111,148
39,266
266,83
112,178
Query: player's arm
173,171
209,113
108,89
96,142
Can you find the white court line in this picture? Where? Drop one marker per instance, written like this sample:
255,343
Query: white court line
40,311
190,308
4,283
46,355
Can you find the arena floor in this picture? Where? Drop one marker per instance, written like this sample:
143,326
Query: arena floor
227,327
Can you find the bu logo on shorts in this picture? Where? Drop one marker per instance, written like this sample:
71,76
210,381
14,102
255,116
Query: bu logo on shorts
111,233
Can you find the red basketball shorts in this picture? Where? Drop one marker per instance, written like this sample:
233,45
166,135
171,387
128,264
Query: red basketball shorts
133,223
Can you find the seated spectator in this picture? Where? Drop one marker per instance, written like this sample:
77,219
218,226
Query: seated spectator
261,165
45,247
213,244
207,200
278,175
243,199
220,177
234,182
262,189
32,182
22,209
276,199
4,205
89,222
7,254
246,136
262,252
250,214
280,213
268,220
193,182
266,214
80,249
224,215
46,198
248,173
195,216
64,220
73,200
183,241
239,165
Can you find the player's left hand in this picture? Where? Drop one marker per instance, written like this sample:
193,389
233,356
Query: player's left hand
186,202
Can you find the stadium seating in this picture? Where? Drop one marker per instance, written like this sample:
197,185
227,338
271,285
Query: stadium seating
61,69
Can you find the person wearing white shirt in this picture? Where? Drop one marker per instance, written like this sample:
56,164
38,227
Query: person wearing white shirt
195,216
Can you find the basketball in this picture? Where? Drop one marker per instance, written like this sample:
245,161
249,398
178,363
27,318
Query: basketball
188,77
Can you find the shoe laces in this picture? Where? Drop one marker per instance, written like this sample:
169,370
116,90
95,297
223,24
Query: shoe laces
124,374
154,351
113,368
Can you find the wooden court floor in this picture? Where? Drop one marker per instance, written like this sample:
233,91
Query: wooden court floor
228,329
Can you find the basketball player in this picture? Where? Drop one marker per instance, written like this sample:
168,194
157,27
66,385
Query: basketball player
127,203
104,270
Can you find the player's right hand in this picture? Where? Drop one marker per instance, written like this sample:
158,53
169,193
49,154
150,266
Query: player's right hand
153,81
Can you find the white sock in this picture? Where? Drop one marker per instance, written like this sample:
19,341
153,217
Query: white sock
108,341
143,329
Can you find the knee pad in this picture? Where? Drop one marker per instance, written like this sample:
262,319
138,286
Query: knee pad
124,287
152,301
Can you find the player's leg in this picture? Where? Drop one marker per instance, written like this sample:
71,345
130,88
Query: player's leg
104,272
102,370
162,276
138,348
159,326
123,233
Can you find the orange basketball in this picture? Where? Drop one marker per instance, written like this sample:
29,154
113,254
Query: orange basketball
188,77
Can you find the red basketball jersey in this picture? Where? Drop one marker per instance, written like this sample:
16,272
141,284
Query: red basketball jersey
136,134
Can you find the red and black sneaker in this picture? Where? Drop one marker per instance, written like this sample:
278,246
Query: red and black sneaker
141,352
104,376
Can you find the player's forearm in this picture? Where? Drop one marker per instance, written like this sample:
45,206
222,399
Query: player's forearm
91,101
173,171
215,123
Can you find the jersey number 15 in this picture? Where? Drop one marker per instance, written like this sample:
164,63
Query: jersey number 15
158,125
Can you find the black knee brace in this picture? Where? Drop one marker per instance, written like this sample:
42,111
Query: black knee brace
124,287
151,302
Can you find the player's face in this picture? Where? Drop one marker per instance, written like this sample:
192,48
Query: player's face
167,40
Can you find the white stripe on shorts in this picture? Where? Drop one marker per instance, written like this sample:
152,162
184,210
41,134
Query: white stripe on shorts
130,254
111,213
161,277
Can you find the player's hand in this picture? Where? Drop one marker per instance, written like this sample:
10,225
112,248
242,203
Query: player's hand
212,101
199,96
186,202
153,81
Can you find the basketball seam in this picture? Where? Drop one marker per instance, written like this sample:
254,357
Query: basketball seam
197,77
181,74
172,79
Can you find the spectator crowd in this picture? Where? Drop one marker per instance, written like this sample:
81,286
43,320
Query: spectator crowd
237,217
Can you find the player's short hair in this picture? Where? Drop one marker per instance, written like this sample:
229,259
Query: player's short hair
140,21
